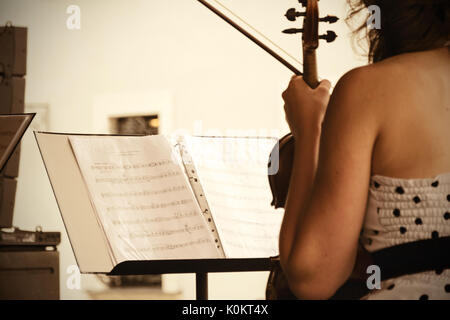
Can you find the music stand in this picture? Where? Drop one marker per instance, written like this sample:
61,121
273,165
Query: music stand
201,268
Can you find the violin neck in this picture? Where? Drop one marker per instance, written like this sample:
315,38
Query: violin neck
310,68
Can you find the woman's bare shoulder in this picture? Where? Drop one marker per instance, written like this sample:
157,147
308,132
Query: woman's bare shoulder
361,88
378,87
367,96
371,79
398,76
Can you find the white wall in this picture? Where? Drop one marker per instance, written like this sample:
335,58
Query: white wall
214,75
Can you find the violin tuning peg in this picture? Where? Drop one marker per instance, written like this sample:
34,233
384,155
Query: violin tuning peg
329,37
293,14
329,19
292,31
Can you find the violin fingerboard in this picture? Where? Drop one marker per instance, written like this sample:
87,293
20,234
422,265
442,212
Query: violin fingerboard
310,68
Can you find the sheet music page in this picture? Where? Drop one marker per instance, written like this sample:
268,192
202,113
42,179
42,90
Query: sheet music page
142,198
233,173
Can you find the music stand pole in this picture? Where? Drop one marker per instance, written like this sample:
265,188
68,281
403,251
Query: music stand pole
201,285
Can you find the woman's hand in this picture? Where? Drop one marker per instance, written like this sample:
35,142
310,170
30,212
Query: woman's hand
305,107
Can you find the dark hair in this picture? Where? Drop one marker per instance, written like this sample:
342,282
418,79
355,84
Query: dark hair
406,26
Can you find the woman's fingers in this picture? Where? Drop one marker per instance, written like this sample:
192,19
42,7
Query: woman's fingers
298,86
325,84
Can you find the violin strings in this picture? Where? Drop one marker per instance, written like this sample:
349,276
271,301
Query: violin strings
257,31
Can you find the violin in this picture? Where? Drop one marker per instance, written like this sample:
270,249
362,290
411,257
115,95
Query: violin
277,285
279,182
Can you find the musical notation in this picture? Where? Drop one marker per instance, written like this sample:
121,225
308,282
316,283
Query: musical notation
137,179
148,207
238,194
152,164
157,219
152,206
144,193
161,233
173,246
142,196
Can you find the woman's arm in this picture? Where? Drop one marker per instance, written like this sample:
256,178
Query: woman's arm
327,198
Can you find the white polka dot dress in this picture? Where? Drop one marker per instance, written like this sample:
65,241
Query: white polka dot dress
407,210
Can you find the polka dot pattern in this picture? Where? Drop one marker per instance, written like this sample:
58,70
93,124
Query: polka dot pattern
400,190
406,210
396,212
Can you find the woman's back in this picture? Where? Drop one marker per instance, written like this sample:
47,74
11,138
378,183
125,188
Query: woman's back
375,156
414,98
409,195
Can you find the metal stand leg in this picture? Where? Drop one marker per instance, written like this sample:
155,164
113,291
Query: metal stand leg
201,286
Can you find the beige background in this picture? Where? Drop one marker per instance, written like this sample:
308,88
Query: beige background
206,77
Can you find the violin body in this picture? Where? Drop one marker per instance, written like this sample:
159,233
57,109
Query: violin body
279,182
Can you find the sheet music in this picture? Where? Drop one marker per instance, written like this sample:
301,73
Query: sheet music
197,188
233,173
142,198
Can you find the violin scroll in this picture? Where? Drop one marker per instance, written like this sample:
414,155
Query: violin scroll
310,23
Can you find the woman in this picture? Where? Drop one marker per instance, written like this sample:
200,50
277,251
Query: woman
374,157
